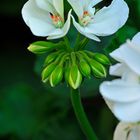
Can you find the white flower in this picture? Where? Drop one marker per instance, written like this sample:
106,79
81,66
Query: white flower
46,18
101,23
123,95
127,131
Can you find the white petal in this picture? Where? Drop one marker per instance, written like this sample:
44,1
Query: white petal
40,28
59,6
118,69
46,5
135,43
58,33
136,39
125,72
120,91
109,19
131,57
128,112
117,55
82,31
94,2
122,131
38,20
77,6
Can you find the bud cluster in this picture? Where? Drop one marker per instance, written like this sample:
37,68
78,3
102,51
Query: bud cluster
71,66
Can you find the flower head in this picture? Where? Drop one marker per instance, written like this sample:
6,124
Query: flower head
46,18
123,95
101,23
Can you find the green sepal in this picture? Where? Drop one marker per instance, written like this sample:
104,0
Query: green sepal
56,76
98,69
47,72
40,47
102,59
75,77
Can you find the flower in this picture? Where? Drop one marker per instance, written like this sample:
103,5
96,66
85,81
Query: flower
123,95
127,131
104,22
46,18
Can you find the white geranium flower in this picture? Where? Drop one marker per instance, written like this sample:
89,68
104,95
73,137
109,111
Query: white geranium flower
101,23
46,18
123,95
127,131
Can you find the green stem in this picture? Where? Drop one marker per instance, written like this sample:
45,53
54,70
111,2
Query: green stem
66,40
77,42
81,116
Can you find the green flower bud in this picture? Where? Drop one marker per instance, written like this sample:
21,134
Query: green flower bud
47,72
50,58
102,59
98,69
56,76
75,77
85,68
40,47
67,71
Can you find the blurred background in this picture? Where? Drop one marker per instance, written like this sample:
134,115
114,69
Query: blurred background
30,110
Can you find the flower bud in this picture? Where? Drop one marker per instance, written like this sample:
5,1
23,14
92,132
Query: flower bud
40,47
98,69
50,58
102,59
47,71
75,77
85,68
56,76
67,71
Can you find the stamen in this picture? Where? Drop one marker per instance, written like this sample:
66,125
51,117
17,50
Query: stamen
85,19
58,21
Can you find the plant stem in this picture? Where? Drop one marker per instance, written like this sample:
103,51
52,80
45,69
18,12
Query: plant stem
77,42
66,40
81,116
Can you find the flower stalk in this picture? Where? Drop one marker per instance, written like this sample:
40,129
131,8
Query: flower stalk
81,116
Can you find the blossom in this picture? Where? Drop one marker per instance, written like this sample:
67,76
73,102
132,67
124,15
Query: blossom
123,94
93,23
127,131
46,18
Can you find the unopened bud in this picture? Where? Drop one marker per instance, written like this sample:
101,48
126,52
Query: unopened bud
67,71
85,68
40,47
98,69
50,58
47,72
102,59
56,76
75,77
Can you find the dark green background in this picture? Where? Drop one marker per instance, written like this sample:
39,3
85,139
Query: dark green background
30,110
